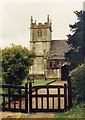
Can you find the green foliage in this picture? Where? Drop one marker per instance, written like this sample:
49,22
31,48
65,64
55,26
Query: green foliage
76,40
16,61
74,58
78,82
38,82
75,112
41,82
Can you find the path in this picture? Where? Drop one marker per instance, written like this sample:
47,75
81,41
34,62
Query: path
33,115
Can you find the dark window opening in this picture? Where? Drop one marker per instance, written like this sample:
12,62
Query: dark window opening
39,33
50,65
53,64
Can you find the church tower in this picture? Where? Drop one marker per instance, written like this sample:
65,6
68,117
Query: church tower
40,40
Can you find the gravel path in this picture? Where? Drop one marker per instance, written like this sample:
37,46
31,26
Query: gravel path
37,115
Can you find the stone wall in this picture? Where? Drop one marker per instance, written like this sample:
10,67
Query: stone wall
38,67
53,73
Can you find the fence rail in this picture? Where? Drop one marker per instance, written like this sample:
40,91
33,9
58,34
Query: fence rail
47,108
11,99
18,102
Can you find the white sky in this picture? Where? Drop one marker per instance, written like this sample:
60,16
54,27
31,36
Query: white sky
15,19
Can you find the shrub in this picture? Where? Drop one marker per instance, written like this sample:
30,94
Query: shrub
78,82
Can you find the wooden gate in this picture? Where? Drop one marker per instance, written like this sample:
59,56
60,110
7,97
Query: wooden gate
14,101
48,102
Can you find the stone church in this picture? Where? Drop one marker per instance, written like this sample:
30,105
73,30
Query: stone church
49,53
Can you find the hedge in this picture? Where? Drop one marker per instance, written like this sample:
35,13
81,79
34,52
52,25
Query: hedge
78,84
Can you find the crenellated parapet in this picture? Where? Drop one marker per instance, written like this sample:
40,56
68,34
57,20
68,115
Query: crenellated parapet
34,25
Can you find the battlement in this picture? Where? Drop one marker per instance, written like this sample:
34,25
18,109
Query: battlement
40,25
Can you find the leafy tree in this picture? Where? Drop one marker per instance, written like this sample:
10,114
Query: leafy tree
16,61
76,41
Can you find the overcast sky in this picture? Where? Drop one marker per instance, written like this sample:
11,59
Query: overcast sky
15,19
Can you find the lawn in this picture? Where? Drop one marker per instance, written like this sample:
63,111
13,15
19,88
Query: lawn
77,111
39,82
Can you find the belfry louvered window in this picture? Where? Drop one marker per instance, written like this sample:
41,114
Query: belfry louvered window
39,33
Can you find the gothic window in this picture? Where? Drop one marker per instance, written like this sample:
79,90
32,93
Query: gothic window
39,33
45,33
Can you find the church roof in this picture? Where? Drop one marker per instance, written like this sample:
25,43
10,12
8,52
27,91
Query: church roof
58,49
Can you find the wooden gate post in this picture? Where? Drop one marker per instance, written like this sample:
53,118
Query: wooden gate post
65,96
69,94
26,97
30,97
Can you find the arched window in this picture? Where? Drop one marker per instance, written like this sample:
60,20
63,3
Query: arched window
39,33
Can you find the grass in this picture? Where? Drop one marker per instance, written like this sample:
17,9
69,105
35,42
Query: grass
38,82
77,111
41,82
